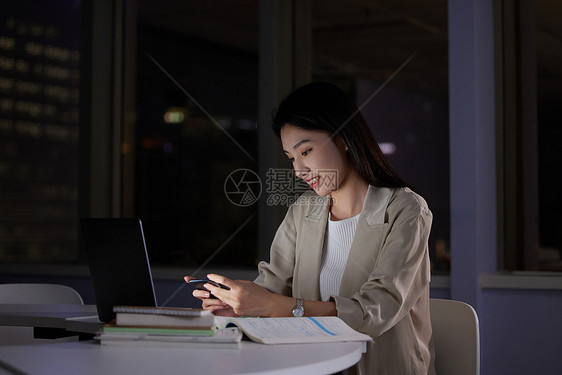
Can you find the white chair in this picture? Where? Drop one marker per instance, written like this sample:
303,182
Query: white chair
39,294
22,293
456,337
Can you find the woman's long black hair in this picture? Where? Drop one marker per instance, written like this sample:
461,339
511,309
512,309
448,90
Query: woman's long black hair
324,106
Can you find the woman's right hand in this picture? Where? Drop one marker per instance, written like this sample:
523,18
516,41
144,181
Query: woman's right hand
215,305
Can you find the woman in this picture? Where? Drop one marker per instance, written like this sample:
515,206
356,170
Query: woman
360,254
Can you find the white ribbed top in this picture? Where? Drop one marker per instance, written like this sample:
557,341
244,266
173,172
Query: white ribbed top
337,243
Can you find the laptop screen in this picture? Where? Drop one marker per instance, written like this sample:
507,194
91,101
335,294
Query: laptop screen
119,265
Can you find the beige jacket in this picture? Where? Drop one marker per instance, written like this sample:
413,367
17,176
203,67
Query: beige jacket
385,286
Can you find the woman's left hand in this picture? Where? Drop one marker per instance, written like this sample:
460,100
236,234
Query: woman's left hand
248,298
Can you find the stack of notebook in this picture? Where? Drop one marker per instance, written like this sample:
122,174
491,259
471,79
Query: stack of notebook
166,326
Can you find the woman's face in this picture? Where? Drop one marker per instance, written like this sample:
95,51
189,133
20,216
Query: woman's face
320,160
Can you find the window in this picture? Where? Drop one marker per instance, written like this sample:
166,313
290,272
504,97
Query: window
39,95
196,113
194,93
392,58
529,82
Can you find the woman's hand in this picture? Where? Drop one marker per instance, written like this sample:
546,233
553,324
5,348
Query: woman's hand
247,298
216,306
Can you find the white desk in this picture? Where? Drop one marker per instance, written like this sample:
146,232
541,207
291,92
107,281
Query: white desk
88,357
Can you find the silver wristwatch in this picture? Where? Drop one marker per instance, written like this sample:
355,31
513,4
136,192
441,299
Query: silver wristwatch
298,310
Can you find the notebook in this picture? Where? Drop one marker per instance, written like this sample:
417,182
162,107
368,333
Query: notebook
119,265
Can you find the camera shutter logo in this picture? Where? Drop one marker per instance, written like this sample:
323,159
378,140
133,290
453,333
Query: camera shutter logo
242,187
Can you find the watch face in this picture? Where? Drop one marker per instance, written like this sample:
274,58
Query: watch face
298,312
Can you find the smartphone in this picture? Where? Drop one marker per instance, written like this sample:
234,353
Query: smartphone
200,282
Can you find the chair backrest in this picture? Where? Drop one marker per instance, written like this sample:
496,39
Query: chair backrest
456,337
39,294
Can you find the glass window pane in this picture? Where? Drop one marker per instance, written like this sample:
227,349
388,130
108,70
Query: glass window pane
549,92
392,58
196,110
39,89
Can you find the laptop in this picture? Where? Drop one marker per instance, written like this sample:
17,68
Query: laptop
119,265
